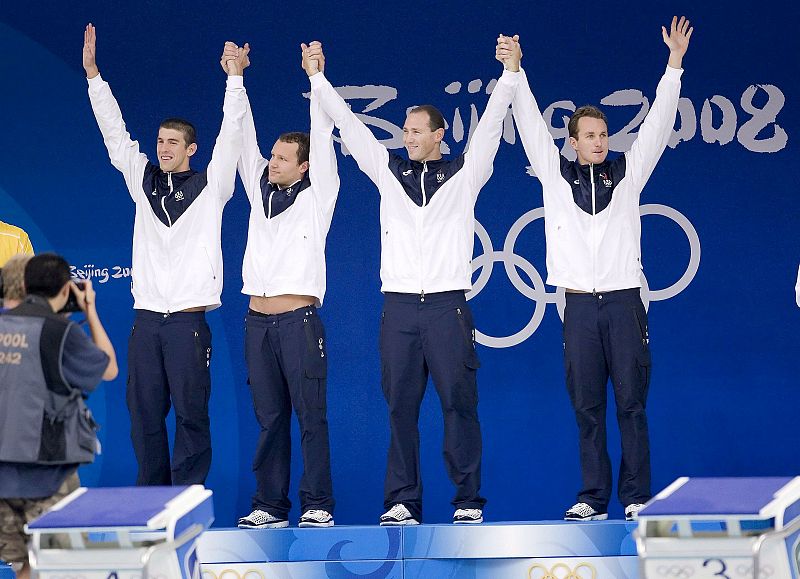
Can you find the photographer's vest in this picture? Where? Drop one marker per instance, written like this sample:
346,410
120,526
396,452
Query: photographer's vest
43,420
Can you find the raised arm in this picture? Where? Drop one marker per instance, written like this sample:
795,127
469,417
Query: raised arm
797,288
371,156
251,163
221,170
323,170
656,129
482,148
122,150
536,139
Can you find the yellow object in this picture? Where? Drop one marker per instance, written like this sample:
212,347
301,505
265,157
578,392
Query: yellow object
13,240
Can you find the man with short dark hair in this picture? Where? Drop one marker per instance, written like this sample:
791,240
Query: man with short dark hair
592,226
427,232
177,274
292,196
47,366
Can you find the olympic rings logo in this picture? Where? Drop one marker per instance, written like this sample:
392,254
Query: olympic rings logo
562,571
764,571
539,294
677,571
233,574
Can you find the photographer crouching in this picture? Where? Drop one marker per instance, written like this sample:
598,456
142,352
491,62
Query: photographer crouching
48,365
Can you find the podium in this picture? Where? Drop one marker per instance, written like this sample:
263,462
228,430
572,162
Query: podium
124,533
525,550
735,528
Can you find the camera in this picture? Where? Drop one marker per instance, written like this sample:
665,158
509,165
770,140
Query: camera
72,303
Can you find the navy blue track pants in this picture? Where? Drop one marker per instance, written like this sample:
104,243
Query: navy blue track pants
287,362
606,335
436,337
168,362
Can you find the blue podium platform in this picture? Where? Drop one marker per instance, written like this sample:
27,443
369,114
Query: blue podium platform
535,550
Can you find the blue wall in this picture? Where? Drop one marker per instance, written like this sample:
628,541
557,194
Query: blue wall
723,398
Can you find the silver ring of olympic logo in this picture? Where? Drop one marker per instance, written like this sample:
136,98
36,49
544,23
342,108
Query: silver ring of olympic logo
539,294
678,571
764,571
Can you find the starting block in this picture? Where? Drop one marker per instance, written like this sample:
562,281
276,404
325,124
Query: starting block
6,572
122,533
735,528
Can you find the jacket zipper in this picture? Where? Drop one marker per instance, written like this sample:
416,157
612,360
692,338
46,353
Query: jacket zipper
210,264
421,225
169,257
269,203
594,231
164,198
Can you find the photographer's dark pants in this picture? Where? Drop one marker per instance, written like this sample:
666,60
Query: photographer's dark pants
287,363
433,336
605,335
168,360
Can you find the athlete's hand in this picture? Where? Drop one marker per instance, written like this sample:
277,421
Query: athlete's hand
89,51
509,52
677,40
235,59
313,59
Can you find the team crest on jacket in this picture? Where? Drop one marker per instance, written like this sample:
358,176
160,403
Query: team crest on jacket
179,196
606,181
440,177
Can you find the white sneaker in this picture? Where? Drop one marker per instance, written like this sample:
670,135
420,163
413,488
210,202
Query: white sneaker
397,515
259,519
583,512
468,516
316,518
632,511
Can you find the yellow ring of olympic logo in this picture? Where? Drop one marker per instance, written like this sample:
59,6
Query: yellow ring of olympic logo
563,571
234,574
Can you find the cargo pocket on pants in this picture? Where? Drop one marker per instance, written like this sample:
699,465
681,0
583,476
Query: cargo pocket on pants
315,363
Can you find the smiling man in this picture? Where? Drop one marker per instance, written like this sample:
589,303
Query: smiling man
177,274
292,196
427,231
592,226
